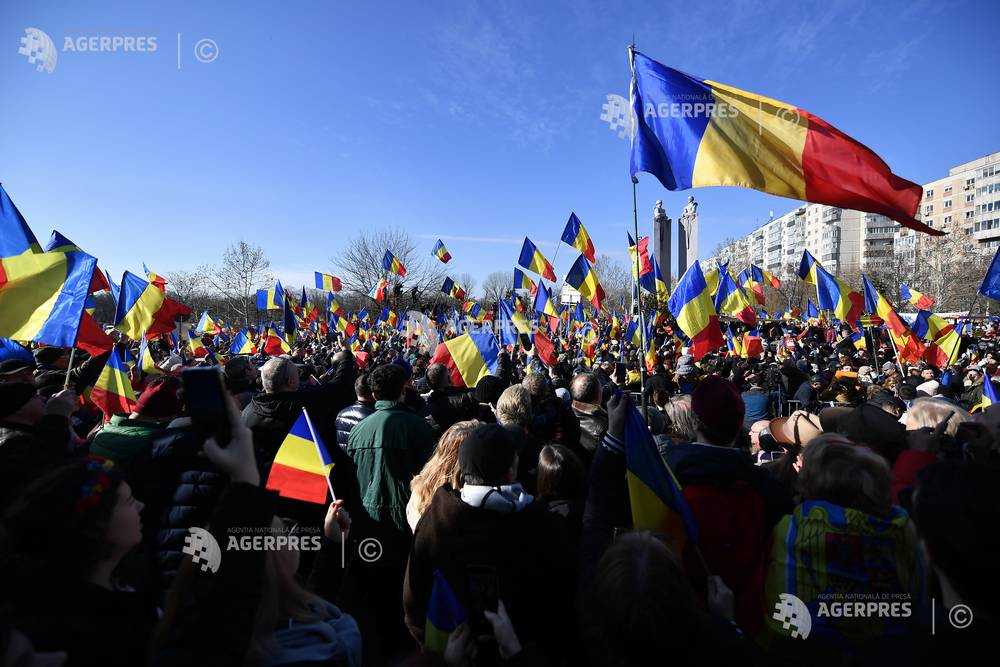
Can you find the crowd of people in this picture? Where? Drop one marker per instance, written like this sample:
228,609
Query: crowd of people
846,509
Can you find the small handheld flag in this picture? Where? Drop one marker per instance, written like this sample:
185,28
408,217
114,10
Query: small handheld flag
301,468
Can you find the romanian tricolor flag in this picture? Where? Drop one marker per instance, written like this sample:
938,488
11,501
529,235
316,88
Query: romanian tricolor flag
989,395
919,300
657,502
290,323
653,281
146,362
575,235
441,252
831,292
444,614
453,289
274,345
643,261
544,304
392,264
545,350
692,132
242,344
811,311
327,283
751,285
943,340
341,324
302,465
469,357
532,259
207,325
42,294
521,281
112,393
195,345
692,307
138,304
908,347
271,299
731,300
583,278
154,278
333,306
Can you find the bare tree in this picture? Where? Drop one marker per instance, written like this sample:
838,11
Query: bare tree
188,287
468,282
360,264
497,285
615,279
244,269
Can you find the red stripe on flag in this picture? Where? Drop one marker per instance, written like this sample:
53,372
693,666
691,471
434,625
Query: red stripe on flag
298,484
841,171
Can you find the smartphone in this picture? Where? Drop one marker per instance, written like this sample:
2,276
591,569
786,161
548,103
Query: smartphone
483,593
205,397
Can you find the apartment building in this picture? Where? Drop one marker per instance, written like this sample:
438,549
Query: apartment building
966,202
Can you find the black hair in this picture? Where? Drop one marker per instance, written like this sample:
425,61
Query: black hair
387,382
560,473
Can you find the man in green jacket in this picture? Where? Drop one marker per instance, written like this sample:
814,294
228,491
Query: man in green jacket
128,437
389,447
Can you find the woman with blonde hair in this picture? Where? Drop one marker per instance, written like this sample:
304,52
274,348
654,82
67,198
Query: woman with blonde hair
929,412
440,469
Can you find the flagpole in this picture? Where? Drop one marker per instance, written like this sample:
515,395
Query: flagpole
69,367
968,315
638,269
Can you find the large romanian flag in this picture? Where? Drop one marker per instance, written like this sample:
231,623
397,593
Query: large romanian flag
444,614
271,299
302,465
42,294
908,346
522,281
655,496
692,132
138,303
692,307
583,278
112,392
576,235
532,259
469,357
242,344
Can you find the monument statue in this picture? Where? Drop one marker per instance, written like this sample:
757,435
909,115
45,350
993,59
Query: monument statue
661,241
687,236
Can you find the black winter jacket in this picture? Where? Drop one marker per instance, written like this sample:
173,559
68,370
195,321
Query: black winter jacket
349,417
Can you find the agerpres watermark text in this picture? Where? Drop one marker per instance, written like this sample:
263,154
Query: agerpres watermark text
42,51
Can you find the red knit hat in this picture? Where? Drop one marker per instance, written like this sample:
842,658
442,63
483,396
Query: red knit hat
159,399
719,406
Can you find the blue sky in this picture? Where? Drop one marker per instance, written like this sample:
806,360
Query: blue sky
474,122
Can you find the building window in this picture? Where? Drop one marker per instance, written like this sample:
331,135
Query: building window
947,219
947,190
928,209
969,198
928,194
947,203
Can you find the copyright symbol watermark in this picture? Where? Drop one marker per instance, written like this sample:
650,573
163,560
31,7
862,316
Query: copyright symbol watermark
789,115
206,50
960,616
370,550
